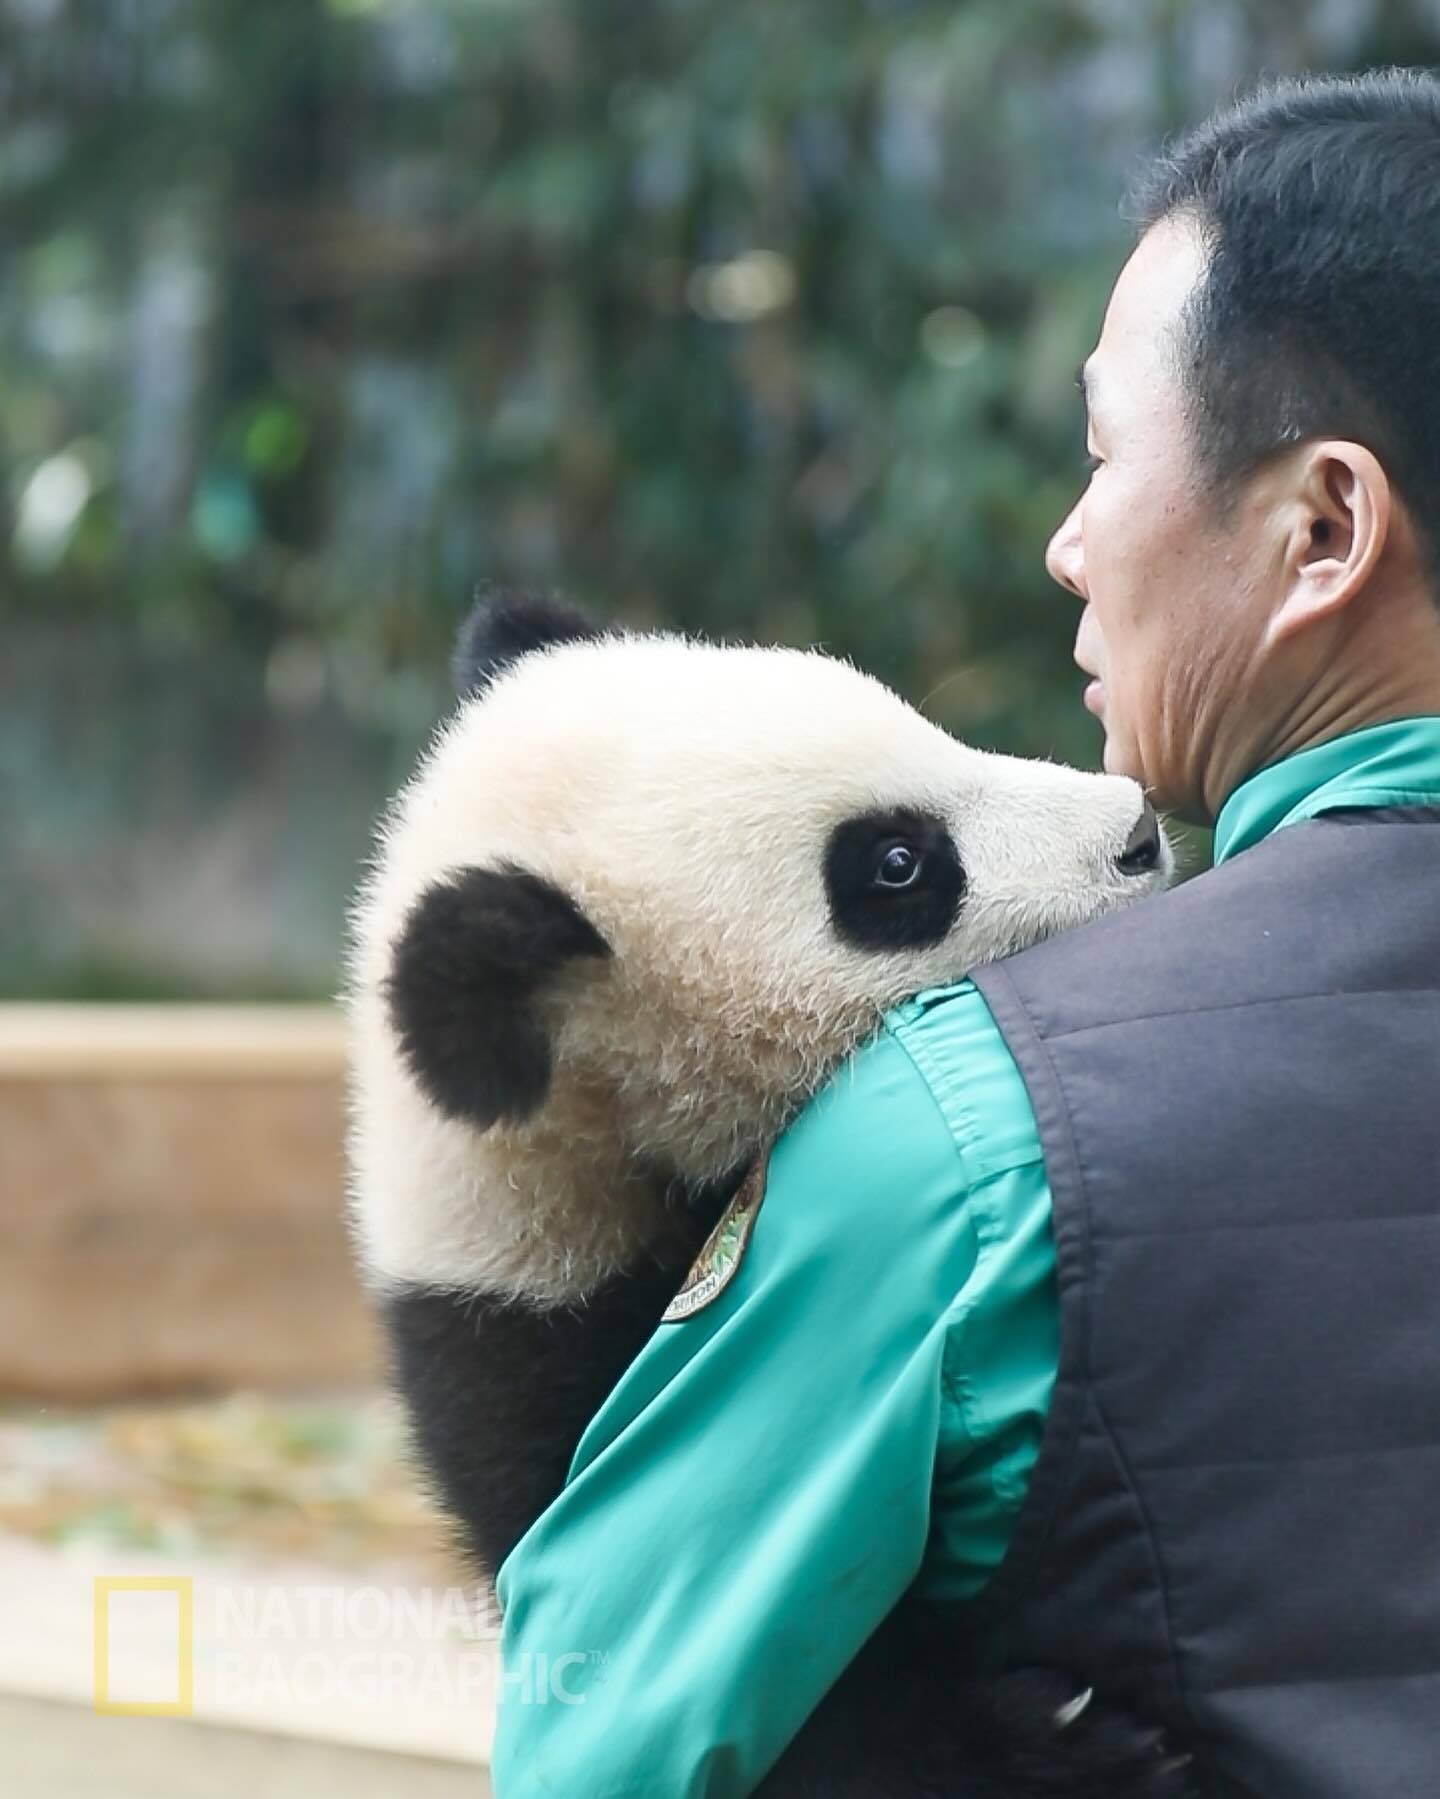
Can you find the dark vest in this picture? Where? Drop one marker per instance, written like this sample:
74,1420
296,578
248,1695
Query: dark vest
1235,1517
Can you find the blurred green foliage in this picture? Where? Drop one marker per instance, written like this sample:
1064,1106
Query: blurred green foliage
758,319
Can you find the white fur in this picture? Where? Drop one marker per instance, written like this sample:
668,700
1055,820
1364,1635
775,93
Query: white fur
682,794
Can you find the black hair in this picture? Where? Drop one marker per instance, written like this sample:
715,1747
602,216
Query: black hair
1319,310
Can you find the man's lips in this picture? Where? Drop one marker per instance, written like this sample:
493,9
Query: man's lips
1095,693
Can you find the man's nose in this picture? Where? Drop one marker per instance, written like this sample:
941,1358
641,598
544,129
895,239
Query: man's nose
1065,558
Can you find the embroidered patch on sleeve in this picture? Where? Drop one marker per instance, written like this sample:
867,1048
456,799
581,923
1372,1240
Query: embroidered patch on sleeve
724,1249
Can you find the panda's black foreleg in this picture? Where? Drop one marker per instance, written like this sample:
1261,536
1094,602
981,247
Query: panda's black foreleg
499,1391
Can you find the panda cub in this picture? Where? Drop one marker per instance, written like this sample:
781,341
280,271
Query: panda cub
641,897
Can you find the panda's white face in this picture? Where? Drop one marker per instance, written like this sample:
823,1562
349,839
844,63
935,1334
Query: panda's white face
695,878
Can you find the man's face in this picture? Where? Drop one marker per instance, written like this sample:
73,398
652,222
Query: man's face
1173,594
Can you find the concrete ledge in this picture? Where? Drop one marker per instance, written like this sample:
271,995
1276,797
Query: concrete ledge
133,1043
172,1181
50,1750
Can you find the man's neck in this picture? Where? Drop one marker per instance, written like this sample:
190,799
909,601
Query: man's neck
1406,684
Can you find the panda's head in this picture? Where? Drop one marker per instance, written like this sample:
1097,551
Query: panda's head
644,892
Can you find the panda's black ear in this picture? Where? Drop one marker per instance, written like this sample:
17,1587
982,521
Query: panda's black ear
473,953
504,624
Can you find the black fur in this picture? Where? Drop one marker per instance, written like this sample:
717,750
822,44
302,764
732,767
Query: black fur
505,625
870,914
473,951
499,1391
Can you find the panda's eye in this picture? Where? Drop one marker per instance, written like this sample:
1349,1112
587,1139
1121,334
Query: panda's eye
898,867
893,879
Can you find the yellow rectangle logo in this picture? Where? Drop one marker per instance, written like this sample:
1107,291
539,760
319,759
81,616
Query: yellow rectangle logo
183,1589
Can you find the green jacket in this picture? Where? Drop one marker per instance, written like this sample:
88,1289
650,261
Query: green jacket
858,1411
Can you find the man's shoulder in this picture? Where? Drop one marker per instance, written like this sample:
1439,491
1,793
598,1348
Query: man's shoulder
939,1056
875,1112
959,1051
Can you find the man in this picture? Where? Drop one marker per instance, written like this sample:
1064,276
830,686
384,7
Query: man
1125,1254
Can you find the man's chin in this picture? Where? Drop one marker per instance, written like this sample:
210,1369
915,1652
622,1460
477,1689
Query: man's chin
1121,758
1112,757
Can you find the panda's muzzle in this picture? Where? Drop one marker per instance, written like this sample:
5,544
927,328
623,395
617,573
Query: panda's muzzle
1141,853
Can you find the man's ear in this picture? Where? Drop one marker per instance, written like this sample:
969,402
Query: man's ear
505,625
473,953
1343,510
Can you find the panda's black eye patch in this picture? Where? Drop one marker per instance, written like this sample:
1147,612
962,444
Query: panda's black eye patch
893,879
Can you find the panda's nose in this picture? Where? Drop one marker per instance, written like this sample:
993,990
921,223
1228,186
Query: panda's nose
1142,848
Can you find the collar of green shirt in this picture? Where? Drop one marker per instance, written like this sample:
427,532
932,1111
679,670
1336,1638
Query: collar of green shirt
1396,764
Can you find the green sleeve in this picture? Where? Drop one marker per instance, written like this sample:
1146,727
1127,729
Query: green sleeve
757,1491
1002,1339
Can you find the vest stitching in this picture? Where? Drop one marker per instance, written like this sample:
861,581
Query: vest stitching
1217,1226
1367,1453
1327,1680
1241,1005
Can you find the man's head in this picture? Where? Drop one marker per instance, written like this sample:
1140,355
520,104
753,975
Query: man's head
1258,548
